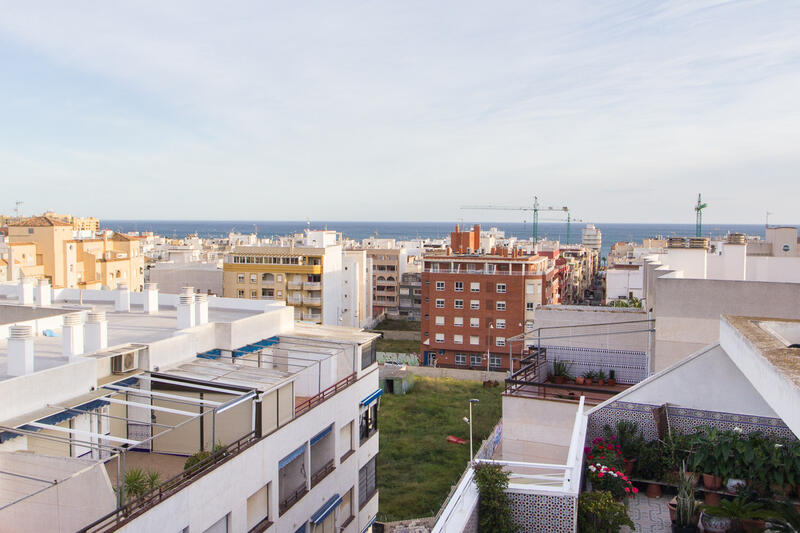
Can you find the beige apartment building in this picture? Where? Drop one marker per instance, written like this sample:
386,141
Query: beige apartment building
389,262
78,223
44,247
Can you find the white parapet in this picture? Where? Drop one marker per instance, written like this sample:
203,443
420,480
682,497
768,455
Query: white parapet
122,298
186,312
73,338
43,294
96,331
150,298
20,350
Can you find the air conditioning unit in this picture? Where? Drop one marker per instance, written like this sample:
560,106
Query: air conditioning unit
123,363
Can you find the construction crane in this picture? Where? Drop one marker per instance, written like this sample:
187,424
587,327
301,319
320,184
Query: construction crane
699,210
535,209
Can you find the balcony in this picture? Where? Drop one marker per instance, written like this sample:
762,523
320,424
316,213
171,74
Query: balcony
311,300
312,285
316,317
294,285
294,299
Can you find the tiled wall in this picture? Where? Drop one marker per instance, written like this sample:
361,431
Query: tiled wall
486,451
538,513
680,419
630,367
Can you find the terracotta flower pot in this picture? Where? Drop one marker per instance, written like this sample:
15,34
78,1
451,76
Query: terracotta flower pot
629,466
579,380
612,382
601,382
559,380
712,482
712,499
752,525
589,381
672,505
653,490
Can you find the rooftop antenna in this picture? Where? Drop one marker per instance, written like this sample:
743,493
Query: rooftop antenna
767,223
18,208
699,210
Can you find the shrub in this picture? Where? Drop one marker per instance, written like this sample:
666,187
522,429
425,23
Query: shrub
604,450
605,478
494,511
599,513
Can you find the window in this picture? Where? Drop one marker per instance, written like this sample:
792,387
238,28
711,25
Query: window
474,339
240,278
439,337
368,354
440,303
500,323
267,293
501,287
254,294
475,304
458,339
240,293
258,507
494,362
368,423
458,304
474,322
501,306
367,482
500,341
279,278
440,285
279,294
529,306
529,325
253,278
346,440
345,514
439,321
461,359
269,278
475,359
459,285
458,321
475,286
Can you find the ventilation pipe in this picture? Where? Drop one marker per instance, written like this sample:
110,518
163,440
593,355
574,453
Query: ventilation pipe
42,294
122,298
201,308
96,331
25,293
20,350
150,298
186,312
72,333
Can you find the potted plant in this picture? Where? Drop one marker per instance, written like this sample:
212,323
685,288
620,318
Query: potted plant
686,508
730,515
630,441
610,479
612,379
713,456
580,380
600,376
589,376
605,451
599,513
650,467
561,371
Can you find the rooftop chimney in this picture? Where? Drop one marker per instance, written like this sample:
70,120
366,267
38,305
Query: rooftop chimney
25,292
42,294
73,335
186,312
122,298
96,331
201,308
150,298
20,350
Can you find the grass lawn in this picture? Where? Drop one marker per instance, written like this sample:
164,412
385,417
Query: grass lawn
387,345
398,325
416,466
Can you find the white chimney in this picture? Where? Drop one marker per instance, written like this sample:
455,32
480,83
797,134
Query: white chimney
96,331
150,298
25,293
186,313
201,308
20,350
122,298
73,335
42,294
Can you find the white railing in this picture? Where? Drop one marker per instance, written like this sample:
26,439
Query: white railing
459,506
312,285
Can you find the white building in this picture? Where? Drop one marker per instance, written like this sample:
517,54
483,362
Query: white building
592,238
109,381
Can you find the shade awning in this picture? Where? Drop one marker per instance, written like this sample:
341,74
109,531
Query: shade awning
372,397
292,456
369,524
323,512
321,435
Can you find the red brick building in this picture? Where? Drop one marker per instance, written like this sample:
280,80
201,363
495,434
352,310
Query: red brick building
473,302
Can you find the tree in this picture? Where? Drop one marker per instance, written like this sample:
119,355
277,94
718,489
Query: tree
494,506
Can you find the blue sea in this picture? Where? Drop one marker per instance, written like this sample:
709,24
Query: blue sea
414,230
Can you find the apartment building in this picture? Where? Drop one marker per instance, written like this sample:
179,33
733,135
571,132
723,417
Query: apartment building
472,303
592,238
280,417
410,305
388,263
43,247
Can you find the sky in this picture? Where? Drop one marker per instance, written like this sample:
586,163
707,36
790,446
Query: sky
377,110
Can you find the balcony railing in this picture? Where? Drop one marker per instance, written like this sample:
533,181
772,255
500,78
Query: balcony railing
310,300
295,300
324,395
292,499
312,316
320,474
294,285
312,285
482,272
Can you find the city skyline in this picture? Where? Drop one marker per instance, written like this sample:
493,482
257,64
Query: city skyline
286,112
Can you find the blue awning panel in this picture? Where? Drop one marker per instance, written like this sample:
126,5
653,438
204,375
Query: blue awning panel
323,512
210,354
321,435
372,397
91,406
292,456
369,525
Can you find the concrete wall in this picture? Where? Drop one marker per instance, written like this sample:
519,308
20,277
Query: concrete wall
171,278
620,282
538,421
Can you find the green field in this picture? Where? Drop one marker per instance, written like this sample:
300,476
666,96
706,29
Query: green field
387,345
398,325
416,466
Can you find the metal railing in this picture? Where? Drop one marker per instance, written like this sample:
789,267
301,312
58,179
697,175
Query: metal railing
312,285
292,499
310,300
324,395
320,474
134,508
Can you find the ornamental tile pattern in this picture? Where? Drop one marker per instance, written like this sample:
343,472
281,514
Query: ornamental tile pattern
538,513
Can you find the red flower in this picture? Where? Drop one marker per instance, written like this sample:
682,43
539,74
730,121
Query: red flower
627,489
602,457
600,474
635,490
590,457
